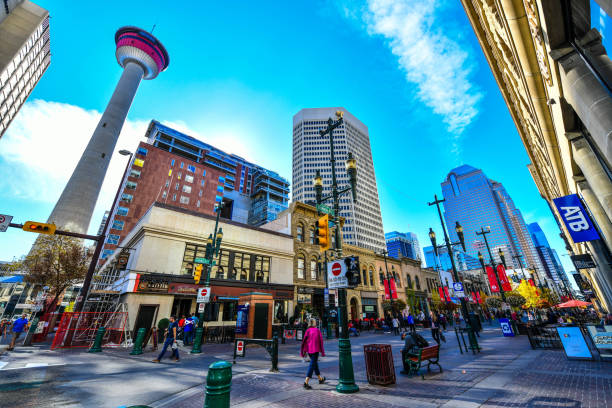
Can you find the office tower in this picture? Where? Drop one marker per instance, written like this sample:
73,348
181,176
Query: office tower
363,226
548,256
103,222
24,55
403,245
142,56
476,201
463,261
180,171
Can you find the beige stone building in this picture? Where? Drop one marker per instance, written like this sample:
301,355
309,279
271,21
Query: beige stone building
158,280
556,79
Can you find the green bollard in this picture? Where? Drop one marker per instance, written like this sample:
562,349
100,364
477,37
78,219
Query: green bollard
138,342
97,346
218,385
197,341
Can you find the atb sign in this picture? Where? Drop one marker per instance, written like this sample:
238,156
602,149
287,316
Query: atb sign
576,219
458,289
5,220
506,327
336,275
240,348
203,295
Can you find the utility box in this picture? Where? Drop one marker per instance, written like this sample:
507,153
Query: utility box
255,321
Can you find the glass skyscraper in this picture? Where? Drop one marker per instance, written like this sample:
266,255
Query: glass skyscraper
403,245
476,201
463,261
548,256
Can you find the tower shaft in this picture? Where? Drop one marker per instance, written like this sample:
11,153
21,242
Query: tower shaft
75,206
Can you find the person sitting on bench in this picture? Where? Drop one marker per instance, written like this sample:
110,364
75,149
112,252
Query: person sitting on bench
412,342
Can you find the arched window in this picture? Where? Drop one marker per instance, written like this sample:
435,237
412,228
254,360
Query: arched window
398,282
259,276
300,233
220,273
364,277
418,284
408,281
381,276
244,275
371,272
234,274
313,269
311,236
300,267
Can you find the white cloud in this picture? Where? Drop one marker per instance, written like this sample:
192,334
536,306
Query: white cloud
438,65
44,143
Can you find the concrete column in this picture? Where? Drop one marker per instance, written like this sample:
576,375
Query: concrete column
602,275
75,206
597,211
588,97
597,179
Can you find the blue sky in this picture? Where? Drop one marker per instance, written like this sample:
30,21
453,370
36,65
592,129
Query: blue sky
412,71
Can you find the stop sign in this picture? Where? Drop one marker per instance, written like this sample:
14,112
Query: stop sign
336,268
240,348
204,291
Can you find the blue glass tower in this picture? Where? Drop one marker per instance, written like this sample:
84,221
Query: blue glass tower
403,245
548,256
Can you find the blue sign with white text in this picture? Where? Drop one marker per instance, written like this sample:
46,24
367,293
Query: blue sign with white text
506,327
573,342
576,219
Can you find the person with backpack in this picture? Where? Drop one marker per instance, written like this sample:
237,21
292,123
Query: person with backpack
171,333
312,344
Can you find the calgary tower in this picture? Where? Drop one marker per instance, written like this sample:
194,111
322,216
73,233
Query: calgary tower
142,56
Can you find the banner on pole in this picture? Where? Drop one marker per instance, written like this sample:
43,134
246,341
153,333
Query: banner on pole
393,289
503,278
386,285
492,279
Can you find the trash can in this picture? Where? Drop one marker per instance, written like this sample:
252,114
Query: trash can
380,369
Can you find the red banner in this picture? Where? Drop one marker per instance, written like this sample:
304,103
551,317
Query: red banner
478,298
393,289
503,278
386,284
492,279
448,298
473,297
441,293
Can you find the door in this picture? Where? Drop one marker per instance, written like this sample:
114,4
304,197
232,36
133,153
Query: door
145,318
181,308
260,330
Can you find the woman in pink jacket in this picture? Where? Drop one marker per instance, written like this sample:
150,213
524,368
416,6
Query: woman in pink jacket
313,345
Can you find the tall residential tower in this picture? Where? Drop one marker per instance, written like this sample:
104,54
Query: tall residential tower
311,152
142,56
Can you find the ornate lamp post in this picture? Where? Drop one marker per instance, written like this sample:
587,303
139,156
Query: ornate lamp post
346,382
484,233
213,244
384,253
449,247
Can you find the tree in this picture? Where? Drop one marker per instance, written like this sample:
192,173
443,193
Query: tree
530,293
515,299
56,261
398,306
493,302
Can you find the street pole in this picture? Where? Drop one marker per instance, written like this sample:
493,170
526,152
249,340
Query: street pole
449,247
518,258
384,253
346,382
484,233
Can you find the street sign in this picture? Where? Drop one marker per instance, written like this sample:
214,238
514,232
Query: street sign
326,296
322,208
506,327
203,295
458,289
336,274
240,348
201,307
583,261
204,261
576,219
5,220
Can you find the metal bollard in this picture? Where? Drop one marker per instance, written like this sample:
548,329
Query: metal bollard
137,349
218,385
197,341
97,346
274,354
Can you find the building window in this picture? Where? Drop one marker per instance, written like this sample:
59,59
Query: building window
142,151
200,193
167,183
118,225
122,211
182,165
138,162
127,197
187,189
135,173
300,233
220,189
176,186
218,199
172,163
417,283
371,272
173,197
130,185
203,173
188,178
112,239
311,238
229,311
364,277
398,282
409,281
179,175
191,168
313,269
184,200
300,268
203,182
106,253
198,204
164,194
381,276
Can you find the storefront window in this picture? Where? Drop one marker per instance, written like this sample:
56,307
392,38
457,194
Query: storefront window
211,312
280,311
229,311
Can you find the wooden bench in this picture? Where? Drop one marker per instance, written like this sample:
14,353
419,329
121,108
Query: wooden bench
413,361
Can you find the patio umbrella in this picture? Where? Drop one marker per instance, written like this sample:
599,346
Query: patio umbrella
573,303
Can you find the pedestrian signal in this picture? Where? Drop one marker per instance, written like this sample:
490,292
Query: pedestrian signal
322,233
39,227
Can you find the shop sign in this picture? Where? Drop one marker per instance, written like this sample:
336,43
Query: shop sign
583,285
304,298
122,260
583,261
576,219
368,308
283,295
506,327
146,284
183,288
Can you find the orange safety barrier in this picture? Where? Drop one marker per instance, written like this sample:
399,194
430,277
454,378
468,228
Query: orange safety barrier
78,329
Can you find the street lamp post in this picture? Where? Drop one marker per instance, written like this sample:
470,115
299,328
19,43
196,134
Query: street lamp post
449,247
484,233
389,277
346,382
518,258
213,244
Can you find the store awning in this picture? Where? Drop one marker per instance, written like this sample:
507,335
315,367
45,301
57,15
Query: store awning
12,279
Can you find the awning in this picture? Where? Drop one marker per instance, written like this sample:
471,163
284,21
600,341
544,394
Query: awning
12,279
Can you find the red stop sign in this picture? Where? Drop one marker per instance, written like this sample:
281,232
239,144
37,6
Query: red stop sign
336,268
204,291
240,346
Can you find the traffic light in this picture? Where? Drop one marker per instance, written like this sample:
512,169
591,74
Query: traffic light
39,227
322,233
352,271
197,273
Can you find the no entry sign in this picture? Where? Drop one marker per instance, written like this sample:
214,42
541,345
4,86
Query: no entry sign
203,295
240,348
336,275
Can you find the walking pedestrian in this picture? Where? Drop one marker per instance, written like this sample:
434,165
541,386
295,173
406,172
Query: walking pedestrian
395,323
18,326
411,323
171,333
312,344
188,331
435,328
442,320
